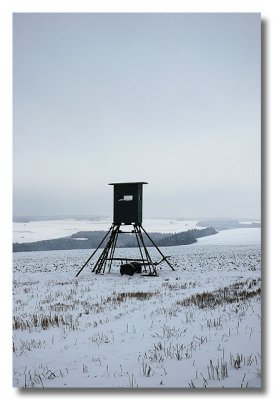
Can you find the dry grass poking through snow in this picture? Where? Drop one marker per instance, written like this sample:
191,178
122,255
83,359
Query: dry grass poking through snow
196,327
227,295
120,297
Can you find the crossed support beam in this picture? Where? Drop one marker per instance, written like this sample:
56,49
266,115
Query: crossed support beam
106,258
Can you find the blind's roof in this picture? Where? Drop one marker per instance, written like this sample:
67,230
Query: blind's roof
128,183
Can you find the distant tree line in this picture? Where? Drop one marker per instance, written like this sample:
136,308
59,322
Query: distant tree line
90,240
188,237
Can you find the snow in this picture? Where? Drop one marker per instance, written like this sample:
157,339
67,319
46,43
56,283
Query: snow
120,331
239,236
53,229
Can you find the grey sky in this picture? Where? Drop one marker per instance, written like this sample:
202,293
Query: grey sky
171,99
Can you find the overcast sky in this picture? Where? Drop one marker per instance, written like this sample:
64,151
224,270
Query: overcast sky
170,99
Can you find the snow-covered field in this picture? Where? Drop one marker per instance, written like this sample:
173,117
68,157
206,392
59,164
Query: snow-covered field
198,326
24,232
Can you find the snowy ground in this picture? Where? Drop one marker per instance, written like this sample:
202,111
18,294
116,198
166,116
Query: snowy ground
242,236
121,331
42,230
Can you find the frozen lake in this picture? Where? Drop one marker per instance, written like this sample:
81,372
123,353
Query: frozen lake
43,230
241,236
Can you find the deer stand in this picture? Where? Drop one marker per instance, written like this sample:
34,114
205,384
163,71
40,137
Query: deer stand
106,258
127,211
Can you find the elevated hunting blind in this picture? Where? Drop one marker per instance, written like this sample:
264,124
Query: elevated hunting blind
128,203
127,210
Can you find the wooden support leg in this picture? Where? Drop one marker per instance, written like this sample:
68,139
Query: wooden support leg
101,263
111,249
116,233
93,252
155,245
151,265
139,245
